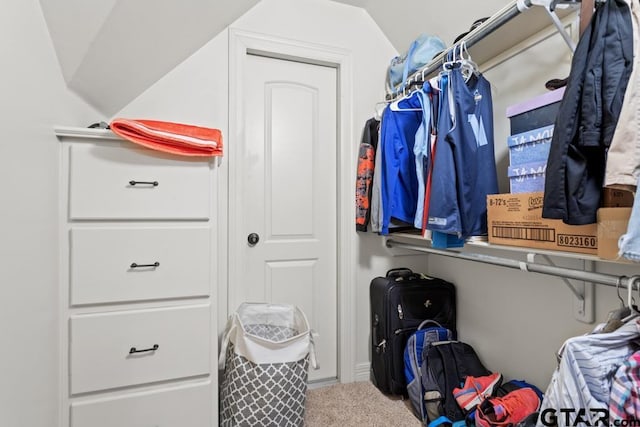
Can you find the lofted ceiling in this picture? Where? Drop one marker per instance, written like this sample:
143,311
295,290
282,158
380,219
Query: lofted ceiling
110,51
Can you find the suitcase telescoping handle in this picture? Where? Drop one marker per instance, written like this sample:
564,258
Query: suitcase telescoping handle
400,272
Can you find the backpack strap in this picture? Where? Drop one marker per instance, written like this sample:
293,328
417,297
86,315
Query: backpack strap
407,62
429,321
440,421
439,401
451,379
313,358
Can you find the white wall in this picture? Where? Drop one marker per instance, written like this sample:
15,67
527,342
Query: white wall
34,99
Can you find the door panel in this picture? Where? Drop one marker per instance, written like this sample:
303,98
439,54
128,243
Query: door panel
289,201
287,195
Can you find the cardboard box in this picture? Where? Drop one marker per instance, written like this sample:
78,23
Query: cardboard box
617,198
535,112
530,147
527,178
516,220
612,223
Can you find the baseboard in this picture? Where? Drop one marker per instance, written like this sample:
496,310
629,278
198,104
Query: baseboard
363,372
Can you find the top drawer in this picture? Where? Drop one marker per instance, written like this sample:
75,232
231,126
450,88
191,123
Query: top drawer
113,182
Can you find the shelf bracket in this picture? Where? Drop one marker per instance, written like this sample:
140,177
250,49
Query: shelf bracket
549,7
584,301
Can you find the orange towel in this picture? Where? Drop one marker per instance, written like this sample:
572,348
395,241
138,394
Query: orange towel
175,138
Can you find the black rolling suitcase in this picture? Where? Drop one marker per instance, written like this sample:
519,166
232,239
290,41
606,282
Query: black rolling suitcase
399,303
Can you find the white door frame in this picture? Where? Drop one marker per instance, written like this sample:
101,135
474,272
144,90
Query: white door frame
241,42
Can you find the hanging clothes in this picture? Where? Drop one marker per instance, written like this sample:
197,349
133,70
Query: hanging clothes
629,243
366,168
445,215
422,150
464,171
587,366
375,217
588,115
623,157
399,183
624,403
436,95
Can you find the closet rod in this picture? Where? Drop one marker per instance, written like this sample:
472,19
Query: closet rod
489,26
496,21
567,273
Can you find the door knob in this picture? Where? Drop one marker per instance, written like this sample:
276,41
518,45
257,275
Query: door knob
253,239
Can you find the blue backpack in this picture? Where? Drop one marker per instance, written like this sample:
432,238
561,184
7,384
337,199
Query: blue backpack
422,50
419,340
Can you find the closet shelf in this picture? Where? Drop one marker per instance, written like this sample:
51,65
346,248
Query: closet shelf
417,239
513,24
583,303
78,132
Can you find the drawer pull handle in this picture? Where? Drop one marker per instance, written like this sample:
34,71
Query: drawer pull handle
155,264
133,350
154,183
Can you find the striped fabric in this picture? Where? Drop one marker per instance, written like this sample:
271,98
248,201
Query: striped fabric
625,391
588,364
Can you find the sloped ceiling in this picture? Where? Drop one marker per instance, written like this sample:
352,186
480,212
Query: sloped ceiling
110,51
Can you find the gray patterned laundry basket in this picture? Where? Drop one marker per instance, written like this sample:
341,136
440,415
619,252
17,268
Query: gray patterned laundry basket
265,355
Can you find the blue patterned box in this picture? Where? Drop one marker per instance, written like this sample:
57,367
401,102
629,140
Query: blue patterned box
530,146
527,178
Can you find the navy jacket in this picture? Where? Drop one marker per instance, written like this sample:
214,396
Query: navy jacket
588,116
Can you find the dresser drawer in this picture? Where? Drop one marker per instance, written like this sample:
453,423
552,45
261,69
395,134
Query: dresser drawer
108,350
114,182
111,264
184,407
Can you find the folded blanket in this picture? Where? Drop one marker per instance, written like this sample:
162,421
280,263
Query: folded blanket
175,138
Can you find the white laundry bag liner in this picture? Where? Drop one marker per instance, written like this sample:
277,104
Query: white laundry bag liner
259,349
265,355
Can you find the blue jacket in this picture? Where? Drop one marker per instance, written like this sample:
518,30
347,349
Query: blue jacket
399,185
588,115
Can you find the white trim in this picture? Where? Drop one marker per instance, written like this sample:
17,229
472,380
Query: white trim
63,259
363,372
77,132
239,43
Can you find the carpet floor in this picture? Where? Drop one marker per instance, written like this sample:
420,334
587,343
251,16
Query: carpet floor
356,404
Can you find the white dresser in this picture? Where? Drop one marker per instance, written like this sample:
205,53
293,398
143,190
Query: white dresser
137,285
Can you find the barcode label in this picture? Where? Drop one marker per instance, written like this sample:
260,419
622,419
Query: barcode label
525,233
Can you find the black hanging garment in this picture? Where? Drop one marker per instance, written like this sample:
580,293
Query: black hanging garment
364,178
588,115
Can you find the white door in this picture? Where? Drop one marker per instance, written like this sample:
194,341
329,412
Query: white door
286,196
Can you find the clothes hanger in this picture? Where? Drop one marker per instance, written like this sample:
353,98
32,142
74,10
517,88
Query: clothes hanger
377,111
614,319
634,280
468,67
395,107
451,61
